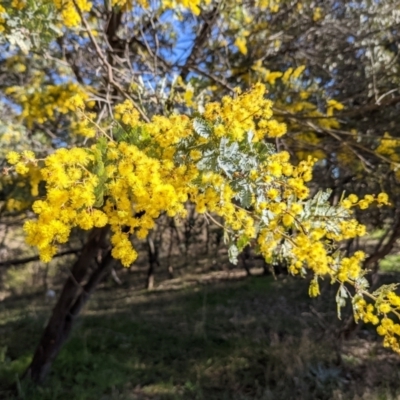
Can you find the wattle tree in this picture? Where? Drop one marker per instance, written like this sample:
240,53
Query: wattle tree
111,119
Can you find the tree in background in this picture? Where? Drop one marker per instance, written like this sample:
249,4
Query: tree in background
116,112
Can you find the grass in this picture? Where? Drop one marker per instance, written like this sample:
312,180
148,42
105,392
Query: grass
390,263
254,338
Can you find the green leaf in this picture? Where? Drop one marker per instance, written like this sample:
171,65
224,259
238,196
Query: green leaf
250,136
99,193
242,242
208,162
363,284
233,253
385,289
245,196
99,168
201,127
341,295
101,145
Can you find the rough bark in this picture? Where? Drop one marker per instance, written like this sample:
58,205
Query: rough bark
153,255
81,283
246,258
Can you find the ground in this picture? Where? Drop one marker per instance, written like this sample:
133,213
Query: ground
214,336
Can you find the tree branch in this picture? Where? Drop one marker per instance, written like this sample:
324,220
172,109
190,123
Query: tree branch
106,65
26,260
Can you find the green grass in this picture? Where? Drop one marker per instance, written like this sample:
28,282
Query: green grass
251,339
390,263
376,234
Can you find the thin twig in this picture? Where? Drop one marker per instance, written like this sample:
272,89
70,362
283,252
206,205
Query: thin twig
107,66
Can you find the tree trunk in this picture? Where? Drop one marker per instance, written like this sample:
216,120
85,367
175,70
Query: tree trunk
245,256
73,297
152,251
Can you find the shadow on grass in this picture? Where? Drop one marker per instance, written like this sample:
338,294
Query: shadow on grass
250,339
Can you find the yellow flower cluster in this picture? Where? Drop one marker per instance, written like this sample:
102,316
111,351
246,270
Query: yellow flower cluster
20,188
127,5
241,44
137,188
333,105
134,183
46,101
247,112
307,142
82,122
317,14
127,113
69,13
389,147
2,19
18,4
15,205
382,200
350,267
69,201
386,302
71,19
20,161
167,132
273,5
289,77
192,5
157,166
221,203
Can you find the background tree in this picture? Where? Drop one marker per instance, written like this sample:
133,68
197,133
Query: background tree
105,69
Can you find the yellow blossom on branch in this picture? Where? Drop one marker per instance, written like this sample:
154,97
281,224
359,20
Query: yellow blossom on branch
221,161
